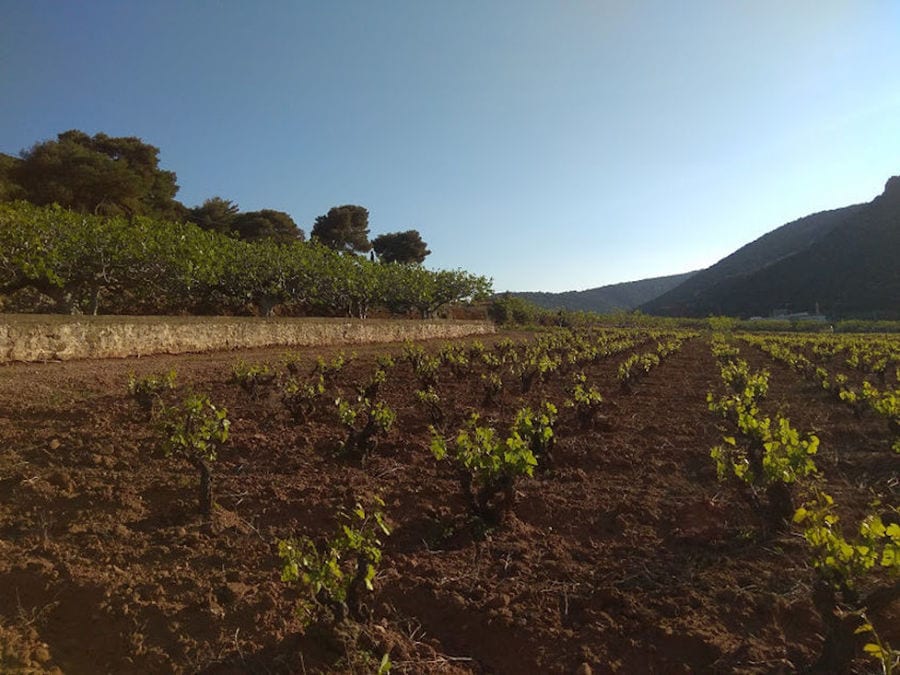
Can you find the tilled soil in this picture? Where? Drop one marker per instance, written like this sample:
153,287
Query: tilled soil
624,555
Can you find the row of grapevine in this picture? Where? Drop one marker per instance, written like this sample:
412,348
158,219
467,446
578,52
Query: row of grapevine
638,365
772,465
89,264
884,401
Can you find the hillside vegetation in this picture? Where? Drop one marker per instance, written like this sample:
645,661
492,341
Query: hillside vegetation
842,261
605,299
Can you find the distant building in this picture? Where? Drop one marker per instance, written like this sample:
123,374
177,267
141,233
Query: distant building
787,315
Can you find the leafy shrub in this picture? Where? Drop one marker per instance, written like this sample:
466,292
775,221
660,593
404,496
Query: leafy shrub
536,429
767,463
194,431
537,367
301,398
330,371
844,567
492,385
488,467
251,377
369,389
430,399
291,362
147,390
585,400
332,577
361,438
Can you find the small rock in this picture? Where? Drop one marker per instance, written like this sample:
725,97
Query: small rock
583,669
54,444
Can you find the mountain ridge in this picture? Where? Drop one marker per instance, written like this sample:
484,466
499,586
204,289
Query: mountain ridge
842,262
626,295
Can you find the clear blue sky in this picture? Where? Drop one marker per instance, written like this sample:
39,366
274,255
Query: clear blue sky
552,145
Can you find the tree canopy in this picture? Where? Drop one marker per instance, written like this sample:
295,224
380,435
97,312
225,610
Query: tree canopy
97,174
9,189
216,214
277,226
344,228
401,247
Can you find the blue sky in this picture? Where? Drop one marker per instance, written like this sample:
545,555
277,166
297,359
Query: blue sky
552,145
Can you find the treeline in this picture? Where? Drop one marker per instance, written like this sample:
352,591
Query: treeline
121,176
62,260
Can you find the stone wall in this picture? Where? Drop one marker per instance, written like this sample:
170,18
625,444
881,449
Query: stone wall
27,337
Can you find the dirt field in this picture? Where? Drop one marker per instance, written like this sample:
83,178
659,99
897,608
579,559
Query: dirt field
626,555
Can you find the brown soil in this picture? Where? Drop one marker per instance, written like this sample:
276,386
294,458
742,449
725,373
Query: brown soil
625,555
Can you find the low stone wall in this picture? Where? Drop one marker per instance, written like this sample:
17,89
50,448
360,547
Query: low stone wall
28,337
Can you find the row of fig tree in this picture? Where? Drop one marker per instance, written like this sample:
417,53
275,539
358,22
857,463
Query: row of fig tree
69,262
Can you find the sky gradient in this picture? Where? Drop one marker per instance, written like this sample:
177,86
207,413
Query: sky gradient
553,145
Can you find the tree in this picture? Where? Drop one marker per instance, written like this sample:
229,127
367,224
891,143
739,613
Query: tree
9,189
344,228
97,174
401,247
267,224
215,214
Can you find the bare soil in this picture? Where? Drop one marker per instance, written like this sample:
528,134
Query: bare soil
625,555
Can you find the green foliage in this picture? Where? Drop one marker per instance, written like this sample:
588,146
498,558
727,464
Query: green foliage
301,398
585,400
97,174
329,371
766,459
537,366
425,367
749,387
456,359
841,562
369,390
634,366
332,577
291,361
536,430
492,384
784,456
385,361
147,390
377,420
401,247
251,377
194,431
267,224
344,228
489,466
216,214
88,263
878,649
506,310
430,399
721,324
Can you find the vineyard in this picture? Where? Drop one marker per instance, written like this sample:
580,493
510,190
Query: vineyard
599,500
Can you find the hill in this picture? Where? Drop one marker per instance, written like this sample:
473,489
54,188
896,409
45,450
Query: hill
605,299
843,262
